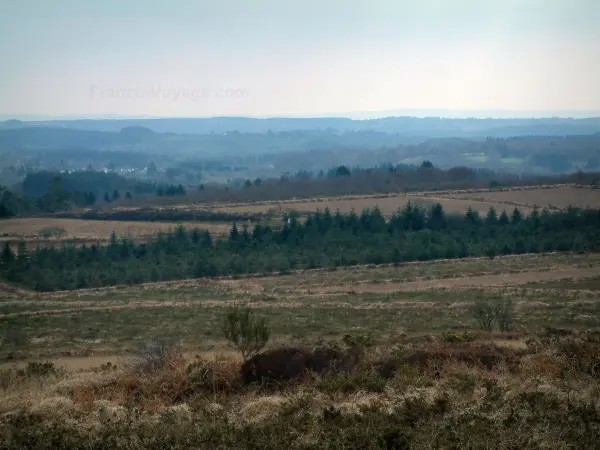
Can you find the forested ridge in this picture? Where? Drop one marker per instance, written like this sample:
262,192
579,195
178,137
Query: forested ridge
323,239
45,192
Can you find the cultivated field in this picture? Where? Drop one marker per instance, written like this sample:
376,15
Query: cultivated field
30,228
388,205
457,202
560,197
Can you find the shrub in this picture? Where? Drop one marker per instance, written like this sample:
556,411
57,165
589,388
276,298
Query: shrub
332,359
155,355
484,313
34,369
15,336
218,376
490,252
359,380
426,358
280,364
505,314
38,369
108,367
290,363
52,232
248,334
457,337
359,340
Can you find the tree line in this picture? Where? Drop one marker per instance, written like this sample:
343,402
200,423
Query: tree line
323,239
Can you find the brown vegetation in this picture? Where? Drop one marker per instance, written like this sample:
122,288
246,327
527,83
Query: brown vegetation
94,230
559,197
413,394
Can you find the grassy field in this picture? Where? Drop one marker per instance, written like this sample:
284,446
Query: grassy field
423,374
553,290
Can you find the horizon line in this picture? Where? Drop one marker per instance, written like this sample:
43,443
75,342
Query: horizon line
431,113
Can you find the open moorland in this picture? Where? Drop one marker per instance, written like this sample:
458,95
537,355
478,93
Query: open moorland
391,356
554,290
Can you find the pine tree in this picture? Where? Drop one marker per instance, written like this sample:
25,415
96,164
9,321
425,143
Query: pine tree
516,216
7,254
437,217
492,217
503,219
234,235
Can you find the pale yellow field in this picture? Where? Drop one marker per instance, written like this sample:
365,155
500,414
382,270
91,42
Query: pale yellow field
387,205
29,228
560,197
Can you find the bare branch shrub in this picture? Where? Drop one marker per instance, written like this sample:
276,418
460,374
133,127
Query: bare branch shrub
505,314
484,313
15,336
155,355
52,232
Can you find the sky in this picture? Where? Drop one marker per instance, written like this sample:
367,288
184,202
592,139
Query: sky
194,58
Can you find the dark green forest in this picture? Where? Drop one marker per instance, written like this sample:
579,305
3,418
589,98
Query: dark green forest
43,193
50,192
322,240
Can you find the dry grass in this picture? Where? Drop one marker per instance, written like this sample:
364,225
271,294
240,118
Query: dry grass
29,228
560,197
388,204
546,289
454,201
432,396
473,272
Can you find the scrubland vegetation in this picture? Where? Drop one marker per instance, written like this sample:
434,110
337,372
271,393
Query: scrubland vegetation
433,391
471,353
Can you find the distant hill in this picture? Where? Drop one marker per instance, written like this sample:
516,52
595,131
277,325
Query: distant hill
485,143
422,128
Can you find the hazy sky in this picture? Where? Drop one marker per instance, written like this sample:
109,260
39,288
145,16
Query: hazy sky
278,57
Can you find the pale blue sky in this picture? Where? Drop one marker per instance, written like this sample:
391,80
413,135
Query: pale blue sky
266,57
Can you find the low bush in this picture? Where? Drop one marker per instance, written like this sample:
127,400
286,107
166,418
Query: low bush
364,379
453,338
221,375
247,332
483,357
449,396
291,363
155,355
280,364
39,369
